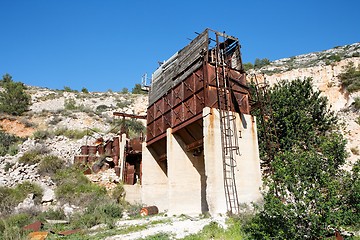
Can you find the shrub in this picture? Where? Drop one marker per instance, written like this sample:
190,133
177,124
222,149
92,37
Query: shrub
101,108
259,63
84,90
248,66
307,190
11,226
75,188
52,214
355,150
118,193
71,133
8,143
50,164
31,157
11,197
70,104
350,78
41,134
334,58
68,89
357,103
124,104
97,213
125,90
137,89
13,100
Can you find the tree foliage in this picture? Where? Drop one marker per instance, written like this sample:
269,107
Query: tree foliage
137,89
259,63
13,98
307,192
350,78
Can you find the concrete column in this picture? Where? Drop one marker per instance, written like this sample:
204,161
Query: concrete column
184,172
215,193
154,181
122,155
247,173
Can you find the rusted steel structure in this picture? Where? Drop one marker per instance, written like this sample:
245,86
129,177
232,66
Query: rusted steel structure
189,81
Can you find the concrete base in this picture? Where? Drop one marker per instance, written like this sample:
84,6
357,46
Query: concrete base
155,184
195,184
133,193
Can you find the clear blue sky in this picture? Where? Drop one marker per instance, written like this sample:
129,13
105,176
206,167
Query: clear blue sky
110,44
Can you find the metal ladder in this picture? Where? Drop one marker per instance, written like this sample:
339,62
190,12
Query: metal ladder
229,139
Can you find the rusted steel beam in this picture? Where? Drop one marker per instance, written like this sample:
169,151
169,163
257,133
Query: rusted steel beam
194,145
162,157
119,114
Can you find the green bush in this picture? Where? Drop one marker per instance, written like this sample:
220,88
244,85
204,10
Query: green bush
53,214
101,108
70,104
307,190
259,63
68,89
137,89
75,188
8,143
248,66
11,226
125,103
41,134
50,164
97,213
357,103
118,193
13,100
31,157
11,197
84,90
350,78
71,133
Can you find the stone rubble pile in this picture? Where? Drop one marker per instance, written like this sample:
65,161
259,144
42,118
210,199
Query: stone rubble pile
106,178
13,173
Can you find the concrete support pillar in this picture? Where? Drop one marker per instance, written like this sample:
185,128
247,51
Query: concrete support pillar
122,155
247,171
184,172
248,174
215,193
154,181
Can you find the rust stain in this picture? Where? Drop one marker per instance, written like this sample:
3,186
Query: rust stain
36,226
37,235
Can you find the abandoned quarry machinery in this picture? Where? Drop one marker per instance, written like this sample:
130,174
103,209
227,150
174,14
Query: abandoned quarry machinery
206,73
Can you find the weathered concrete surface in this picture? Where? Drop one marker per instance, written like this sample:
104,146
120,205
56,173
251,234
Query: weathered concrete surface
184,172
154,181
215,193
195,184
133,193
247,171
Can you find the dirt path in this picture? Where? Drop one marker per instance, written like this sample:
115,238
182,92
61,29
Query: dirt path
177,227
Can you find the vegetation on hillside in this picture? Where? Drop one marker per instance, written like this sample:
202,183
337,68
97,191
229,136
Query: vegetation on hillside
8,143
307,192
350,78
13,99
